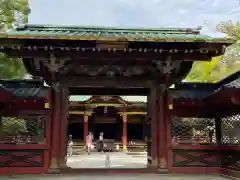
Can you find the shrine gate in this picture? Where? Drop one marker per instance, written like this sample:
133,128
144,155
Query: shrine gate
186,134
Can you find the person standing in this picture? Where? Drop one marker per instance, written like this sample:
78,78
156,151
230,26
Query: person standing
89,142
70,145
101,141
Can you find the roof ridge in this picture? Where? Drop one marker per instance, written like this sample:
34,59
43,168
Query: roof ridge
230,78
81,33
97,28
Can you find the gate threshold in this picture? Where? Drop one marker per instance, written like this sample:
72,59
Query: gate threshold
108,171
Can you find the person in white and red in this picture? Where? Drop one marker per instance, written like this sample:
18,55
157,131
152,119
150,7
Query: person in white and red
101,144
89,142
70,145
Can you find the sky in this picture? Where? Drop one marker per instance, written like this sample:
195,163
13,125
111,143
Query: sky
135,13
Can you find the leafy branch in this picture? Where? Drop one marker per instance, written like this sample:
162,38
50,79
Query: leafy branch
12,13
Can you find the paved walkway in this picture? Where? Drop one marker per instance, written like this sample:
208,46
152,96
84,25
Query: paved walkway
116,177
98,160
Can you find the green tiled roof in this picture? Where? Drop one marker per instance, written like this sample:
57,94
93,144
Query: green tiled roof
125,98
79,98
134,98
110,34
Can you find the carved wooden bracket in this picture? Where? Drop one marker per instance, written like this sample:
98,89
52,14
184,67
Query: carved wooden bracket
53,63
56,86
167,67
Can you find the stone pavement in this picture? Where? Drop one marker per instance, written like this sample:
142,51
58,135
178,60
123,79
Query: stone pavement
116,177
98,160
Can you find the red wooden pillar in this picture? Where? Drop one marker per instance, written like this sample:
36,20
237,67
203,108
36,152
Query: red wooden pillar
54,163
169,106
85,126
152,111
162,135
124,138
64,124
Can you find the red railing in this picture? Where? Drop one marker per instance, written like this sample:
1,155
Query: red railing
192,140
22,140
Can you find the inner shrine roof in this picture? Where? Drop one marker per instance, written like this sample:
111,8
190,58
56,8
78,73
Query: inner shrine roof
111,34
232,81
234,84
80,98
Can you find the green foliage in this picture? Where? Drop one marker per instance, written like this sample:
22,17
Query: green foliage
12,126
12,12
222,66
11,68
230,61
232,30
202,71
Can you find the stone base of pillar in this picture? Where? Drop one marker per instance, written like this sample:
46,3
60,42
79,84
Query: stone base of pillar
53,171
162,163
163,170
54,166
154,163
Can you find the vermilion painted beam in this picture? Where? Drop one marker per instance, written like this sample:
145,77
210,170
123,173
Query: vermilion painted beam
187,112
104,82
222,96
216,99
192,103
108,91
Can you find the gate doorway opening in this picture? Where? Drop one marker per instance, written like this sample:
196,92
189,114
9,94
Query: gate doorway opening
122,122
75,129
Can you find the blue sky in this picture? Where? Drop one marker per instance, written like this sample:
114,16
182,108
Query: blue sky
135,13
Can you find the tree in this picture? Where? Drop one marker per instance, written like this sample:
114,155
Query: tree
11,68
12,126
12,13
202,71
230,61
222,66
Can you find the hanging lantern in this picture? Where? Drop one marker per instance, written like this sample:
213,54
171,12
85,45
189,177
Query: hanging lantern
105,110
106,98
